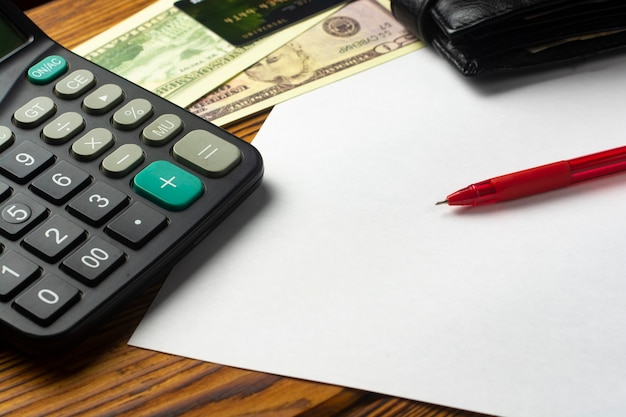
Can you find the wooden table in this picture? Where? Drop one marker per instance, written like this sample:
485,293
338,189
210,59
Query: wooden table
105,377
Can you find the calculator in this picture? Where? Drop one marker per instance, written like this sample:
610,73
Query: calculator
104,186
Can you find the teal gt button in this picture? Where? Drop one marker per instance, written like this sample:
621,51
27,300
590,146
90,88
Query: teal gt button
168,186
47,70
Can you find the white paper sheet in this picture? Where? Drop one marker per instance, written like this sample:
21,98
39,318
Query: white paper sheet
341,269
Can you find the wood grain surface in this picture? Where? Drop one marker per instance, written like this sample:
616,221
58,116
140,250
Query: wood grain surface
103,376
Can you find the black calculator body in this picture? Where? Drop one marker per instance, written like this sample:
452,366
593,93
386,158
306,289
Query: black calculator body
104,186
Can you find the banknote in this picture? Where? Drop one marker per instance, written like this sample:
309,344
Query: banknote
169,53
360,35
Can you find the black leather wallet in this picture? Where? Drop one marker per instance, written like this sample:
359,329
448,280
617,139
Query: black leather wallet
487,36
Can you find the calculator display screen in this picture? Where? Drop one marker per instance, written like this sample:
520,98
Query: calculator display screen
11,38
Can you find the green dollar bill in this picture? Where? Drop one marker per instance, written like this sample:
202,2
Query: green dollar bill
169,53
360,35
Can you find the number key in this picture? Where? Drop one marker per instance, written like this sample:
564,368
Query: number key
94,261
15,273
54,238
47,299
98,203
60,182
19,214
25,161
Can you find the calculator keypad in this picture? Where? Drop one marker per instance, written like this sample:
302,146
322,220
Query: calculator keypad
89,177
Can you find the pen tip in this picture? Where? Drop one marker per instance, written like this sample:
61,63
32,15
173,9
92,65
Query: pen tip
438,203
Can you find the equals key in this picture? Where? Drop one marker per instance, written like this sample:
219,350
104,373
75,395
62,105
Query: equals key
206,153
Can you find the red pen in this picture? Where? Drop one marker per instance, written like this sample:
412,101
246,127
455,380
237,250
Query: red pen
540,179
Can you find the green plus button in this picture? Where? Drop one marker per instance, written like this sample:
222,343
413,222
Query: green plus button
48,69
167,185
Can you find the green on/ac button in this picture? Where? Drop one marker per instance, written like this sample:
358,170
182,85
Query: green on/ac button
47,70
168,185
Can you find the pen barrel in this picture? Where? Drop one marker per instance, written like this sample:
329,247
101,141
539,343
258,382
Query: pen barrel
598,164
533,181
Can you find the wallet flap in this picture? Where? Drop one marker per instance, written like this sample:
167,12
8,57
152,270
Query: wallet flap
415,16
483,36
455,16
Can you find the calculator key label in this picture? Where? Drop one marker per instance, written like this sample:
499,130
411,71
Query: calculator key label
63,128
123,160
19,214
16,213
167,185
54,238
75,84
24,162
47,299
103,99
47,70
94,261
208,154
98,203
15,273
60,182
35,112
132,114
162,130
93,144
137,225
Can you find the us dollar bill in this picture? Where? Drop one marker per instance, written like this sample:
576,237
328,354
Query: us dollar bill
360,35
169,53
